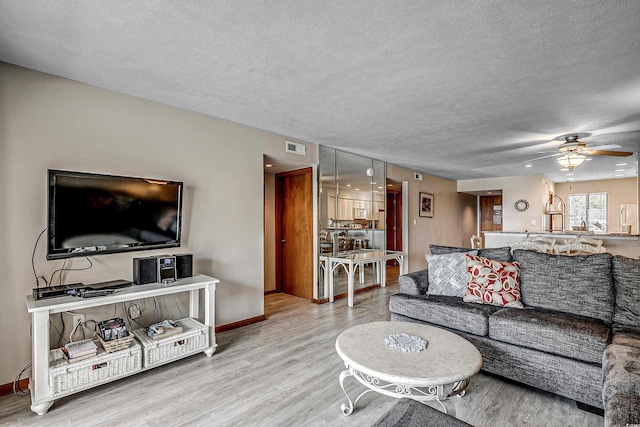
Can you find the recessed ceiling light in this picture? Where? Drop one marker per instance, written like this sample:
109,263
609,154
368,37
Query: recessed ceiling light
619,174
619,170
622,164
570,179
564,169
527,166
568,174
268,165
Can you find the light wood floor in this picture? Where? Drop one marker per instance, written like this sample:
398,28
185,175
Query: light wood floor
281,372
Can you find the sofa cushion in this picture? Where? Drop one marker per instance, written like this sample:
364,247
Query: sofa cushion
626,276
493,282
442,310
568,335
501,254
566,377
448,274
581,285
620,371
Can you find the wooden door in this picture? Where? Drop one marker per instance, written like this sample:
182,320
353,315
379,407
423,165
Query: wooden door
294,233
490,213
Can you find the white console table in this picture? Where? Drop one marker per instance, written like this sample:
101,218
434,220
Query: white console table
40,311
351,260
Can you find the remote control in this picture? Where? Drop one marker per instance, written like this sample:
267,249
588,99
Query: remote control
90,293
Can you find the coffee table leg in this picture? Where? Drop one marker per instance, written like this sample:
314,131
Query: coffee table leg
460,388
447,407
348,409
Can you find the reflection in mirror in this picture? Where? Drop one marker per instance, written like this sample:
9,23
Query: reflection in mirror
351,213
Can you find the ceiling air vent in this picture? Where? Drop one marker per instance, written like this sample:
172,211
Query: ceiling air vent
296,148
417,176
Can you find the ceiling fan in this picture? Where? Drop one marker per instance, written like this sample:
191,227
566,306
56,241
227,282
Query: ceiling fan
574,152
573,145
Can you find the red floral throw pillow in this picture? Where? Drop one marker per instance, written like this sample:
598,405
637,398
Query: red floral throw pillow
493,282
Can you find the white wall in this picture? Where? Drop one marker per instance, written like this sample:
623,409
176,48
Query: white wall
49,122
453,220
532,188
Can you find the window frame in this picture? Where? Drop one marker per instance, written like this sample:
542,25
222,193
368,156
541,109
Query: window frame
589,211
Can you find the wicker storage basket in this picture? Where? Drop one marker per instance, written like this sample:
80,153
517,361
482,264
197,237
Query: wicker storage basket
116,345
65,377
194,338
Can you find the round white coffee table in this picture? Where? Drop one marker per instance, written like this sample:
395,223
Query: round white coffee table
442,369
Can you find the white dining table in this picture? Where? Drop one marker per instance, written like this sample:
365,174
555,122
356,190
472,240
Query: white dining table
357,259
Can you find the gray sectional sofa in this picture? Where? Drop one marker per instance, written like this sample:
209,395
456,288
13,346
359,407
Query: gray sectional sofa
577,336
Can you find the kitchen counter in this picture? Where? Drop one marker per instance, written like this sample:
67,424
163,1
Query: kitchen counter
616,243
568,234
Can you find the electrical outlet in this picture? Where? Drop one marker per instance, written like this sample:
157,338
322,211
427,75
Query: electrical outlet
77,318
134,312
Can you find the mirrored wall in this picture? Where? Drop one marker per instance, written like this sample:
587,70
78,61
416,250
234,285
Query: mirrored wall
351,192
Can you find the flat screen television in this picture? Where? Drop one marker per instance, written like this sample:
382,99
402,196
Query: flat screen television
91,214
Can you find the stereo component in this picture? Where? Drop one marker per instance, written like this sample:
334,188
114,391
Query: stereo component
184,266
162,268
145,270
166,268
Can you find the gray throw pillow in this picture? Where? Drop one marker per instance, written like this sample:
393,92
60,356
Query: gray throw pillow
448,273
626,276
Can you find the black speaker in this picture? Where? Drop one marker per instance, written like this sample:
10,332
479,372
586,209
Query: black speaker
184,266
145,270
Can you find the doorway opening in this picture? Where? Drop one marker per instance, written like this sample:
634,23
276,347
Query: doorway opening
275,169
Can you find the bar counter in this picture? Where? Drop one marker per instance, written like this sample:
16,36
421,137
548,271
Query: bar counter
616,243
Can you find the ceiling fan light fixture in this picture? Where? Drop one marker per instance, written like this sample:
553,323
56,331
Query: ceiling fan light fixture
571,159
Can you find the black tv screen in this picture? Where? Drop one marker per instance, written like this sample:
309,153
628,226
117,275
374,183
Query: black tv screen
91,214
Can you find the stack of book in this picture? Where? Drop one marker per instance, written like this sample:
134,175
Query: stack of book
163,329
79,350
112,329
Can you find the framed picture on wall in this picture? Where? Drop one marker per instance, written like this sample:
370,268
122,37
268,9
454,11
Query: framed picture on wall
426,205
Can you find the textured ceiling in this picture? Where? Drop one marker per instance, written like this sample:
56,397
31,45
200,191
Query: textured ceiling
464,89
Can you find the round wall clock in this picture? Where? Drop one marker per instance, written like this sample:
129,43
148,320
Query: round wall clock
521,205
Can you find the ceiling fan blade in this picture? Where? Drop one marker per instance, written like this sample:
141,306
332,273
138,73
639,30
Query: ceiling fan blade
543,157
609,153
603,147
